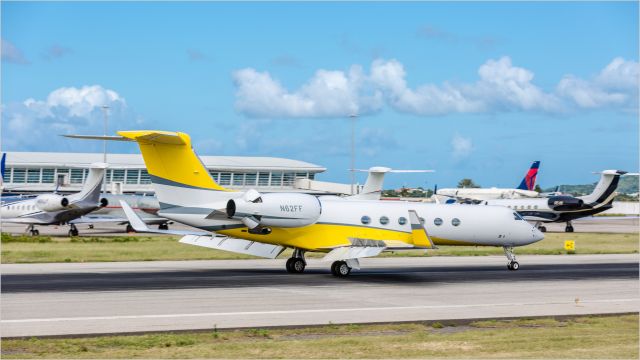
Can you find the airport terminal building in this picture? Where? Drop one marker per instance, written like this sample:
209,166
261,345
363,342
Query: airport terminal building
28,172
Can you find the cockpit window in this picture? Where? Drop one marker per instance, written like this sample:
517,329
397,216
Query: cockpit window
517,216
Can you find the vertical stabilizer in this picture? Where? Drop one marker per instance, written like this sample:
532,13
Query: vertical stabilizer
605,188
529,181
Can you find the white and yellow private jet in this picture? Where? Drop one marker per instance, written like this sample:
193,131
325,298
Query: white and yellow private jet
346,230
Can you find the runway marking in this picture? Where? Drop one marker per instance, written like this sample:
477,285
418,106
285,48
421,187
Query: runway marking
284,312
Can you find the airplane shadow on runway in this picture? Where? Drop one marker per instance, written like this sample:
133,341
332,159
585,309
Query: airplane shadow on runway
238,278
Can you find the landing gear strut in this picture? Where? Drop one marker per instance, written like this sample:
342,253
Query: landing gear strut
296,263
513,264
73,230
32,230
569,227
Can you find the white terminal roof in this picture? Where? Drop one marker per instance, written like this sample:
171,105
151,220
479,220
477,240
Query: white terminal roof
230,163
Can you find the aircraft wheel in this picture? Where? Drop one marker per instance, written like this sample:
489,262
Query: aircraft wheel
542,229
163,227
130,229
35,232
288,265
340,269
297,266
568,229
513,265
73,233
90,226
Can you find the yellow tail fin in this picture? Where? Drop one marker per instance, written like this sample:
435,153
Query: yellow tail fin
169,156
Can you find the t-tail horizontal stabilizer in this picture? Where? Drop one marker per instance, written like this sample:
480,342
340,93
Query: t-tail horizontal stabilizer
140,226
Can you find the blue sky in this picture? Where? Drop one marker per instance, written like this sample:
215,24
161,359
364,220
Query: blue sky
474,90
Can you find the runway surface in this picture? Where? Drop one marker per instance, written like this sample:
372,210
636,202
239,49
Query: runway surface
57,299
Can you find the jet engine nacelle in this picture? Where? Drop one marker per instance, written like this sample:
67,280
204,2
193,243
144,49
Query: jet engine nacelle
104,202
51,202
276,209
560,203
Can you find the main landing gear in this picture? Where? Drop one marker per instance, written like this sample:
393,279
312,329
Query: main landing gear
513,264
31,229
296,263
569,227
340,268
73,230
163,226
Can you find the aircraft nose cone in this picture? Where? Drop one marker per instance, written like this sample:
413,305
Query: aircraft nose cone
537,234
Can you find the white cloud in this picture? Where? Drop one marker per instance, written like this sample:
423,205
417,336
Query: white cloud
11,54
461,146
326,94
501,87
616,85
35,124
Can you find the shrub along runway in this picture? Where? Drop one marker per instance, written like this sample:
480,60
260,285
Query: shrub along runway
86,298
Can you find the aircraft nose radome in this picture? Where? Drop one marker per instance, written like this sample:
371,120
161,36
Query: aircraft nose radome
537,234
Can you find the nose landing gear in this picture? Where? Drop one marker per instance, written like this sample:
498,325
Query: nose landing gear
569,227
73,230
32,230
513,264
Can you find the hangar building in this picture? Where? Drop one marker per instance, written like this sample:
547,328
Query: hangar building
28,172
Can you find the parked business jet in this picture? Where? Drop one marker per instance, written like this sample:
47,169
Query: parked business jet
56,209
565,208
265,224
475,195
145,206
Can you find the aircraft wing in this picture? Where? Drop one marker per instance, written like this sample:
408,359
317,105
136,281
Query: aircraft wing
98,219
92,219
208,240
25,220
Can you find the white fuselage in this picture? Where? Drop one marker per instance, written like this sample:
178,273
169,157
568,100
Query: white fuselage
478,225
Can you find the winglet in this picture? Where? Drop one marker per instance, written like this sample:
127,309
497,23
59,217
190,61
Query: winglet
419,232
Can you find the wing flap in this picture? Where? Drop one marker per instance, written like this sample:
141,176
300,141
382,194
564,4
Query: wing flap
234,245
352,252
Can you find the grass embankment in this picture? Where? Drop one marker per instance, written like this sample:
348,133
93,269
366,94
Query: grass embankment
580,337
27,249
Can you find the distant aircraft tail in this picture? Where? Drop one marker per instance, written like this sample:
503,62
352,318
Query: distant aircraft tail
529,181
2,167
372,189
91,189
604,190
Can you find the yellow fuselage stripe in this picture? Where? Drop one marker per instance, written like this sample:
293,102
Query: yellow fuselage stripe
323,237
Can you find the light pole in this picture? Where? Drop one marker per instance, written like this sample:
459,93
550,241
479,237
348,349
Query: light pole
105,111
353,118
